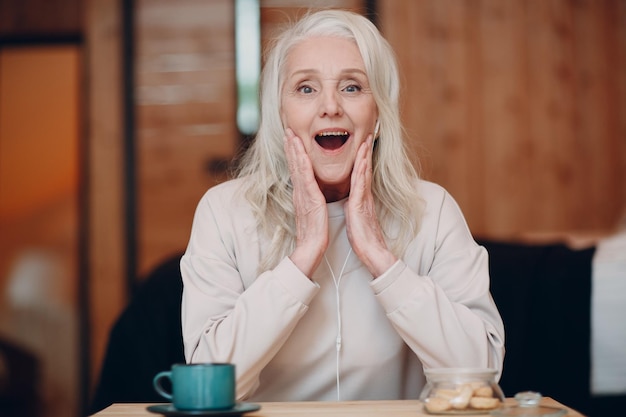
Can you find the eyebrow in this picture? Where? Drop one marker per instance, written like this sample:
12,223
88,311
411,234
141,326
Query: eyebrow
347,71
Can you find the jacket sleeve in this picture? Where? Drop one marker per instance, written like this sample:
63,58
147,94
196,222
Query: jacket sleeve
222,320
438,296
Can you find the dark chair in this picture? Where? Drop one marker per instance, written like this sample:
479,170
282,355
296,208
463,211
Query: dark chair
543,293
20,376
145,340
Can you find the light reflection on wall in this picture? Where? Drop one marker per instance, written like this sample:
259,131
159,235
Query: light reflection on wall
248,64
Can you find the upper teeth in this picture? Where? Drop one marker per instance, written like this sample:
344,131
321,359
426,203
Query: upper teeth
333,133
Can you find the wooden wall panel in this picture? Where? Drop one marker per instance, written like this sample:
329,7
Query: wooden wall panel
617,20
550,135
517,107
19,18
104,142
598,108
185,95
473,201
502,38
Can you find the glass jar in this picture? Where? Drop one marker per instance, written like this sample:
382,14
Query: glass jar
461,391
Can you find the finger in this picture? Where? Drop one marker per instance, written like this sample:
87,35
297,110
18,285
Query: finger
367,153
295,153
362,164
288,147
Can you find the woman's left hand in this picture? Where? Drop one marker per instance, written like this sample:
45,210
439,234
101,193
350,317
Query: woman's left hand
364,231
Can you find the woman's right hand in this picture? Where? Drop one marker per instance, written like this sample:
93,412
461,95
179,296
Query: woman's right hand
310,207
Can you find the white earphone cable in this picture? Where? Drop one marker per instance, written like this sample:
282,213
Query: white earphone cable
337,282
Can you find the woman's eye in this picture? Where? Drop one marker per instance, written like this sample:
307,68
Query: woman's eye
353,88
305,89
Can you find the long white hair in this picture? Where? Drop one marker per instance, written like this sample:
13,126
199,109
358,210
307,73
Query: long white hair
394,179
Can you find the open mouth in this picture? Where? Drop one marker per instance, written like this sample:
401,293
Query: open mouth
332,140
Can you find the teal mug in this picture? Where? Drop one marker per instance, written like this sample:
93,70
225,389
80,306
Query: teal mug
199,386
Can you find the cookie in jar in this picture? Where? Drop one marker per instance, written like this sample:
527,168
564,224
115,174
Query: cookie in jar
461,391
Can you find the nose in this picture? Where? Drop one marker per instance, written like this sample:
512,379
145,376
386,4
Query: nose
330,104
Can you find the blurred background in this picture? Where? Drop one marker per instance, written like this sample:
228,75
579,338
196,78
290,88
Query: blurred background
116,116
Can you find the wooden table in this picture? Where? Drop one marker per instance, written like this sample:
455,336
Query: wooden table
403,408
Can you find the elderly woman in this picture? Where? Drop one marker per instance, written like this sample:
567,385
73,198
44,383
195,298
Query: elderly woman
328,269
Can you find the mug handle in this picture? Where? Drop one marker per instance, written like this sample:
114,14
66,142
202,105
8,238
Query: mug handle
156,381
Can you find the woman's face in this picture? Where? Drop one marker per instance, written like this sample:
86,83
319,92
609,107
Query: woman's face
327,102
